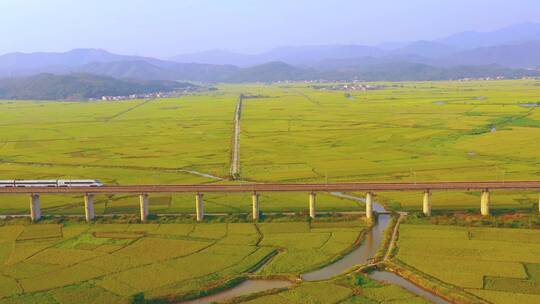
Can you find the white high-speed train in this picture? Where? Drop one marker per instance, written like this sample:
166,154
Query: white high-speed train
60,183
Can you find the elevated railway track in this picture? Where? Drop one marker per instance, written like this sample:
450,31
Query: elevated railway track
331,187
369,188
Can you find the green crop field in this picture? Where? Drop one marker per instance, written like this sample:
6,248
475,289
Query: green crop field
289,132
406,131
500,265
55,262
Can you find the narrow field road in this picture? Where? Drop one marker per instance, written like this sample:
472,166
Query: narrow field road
235,152
201,174
142,168
107,119
393,240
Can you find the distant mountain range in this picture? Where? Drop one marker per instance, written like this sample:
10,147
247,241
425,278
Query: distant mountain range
290,55
511,52
514,34
437,52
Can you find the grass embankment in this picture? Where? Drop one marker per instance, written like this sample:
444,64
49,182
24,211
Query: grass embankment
387,240
353,288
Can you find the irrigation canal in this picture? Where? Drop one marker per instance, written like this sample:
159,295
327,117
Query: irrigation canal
361,255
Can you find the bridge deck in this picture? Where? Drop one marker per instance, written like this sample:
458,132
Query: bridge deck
360,187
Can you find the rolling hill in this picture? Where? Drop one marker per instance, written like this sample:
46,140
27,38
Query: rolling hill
510,52
79,86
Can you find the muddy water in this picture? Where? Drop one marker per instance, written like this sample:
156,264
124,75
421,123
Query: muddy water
361,255
244,288
392,278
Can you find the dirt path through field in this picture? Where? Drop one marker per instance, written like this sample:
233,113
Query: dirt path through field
393,241
107,119
235,152
142,168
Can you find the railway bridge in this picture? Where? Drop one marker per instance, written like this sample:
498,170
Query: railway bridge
312,189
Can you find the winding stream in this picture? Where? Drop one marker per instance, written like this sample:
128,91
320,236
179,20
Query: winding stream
392,278
242,289
361,255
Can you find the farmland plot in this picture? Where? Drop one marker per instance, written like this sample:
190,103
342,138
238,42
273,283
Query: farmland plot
497,264
75,262
407,131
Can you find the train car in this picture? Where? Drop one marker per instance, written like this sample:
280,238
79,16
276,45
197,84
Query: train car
35,183
50,183
79,183
7,183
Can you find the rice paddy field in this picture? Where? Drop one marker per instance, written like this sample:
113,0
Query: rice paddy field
290,132
426,131
109,263
499,265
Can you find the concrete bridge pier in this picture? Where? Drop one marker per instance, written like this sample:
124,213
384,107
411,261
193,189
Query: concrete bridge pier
312,204
255,206
143,203
369,205
199,206
89,207
35,208
426,208
484,203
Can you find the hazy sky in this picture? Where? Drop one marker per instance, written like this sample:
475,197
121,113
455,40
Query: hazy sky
167,27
